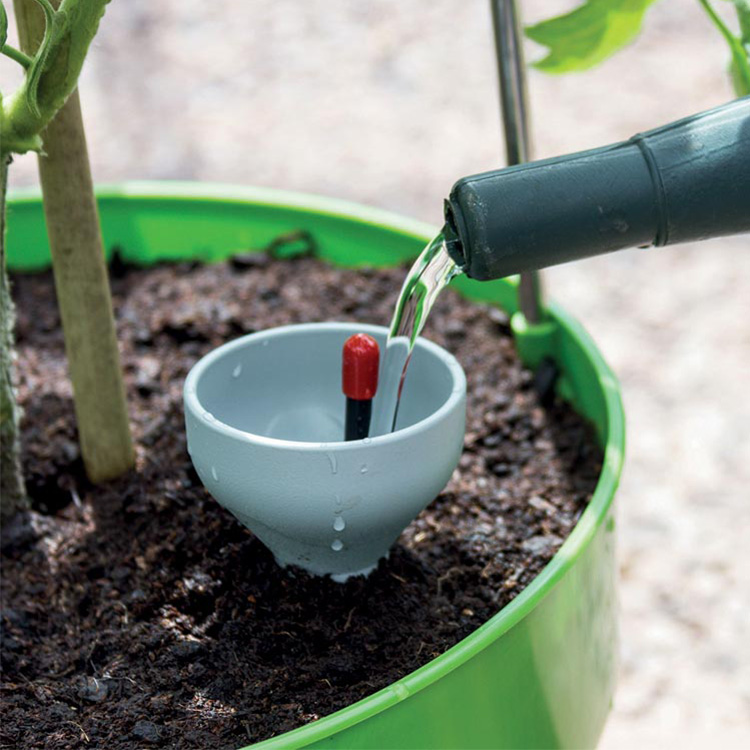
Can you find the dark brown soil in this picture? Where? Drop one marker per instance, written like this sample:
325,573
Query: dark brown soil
141,614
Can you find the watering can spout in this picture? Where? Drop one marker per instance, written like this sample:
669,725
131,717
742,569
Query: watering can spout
686,181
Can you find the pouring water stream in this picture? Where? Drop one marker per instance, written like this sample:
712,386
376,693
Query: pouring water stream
430,274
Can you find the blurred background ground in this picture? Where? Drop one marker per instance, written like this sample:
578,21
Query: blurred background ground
387,103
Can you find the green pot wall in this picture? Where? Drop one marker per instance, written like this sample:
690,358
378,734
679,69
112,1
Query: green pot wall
540,673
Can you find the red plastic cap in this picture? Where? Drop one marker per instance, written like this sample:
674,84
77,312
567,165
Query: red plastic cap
359,374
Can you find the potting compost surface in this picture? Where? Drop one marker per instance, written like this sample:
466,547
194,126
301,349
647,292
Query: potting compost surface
140,613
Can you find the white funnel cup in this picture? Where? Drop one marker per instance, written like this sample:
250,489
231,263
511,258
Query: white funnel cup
265,425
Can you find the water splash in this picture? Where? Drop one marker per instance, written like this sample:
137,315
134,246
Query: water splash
430,274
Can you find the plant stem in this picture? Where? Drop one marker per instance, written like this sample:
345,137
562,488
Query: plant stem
81,282
12,490
740,59
16,54
743,16
29,109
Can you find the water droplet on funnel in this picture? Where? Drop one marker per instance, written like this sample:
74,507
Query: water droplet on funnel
337,545
265,343
339,524
209,417
236,372
214,474
367,441
363,470
332,461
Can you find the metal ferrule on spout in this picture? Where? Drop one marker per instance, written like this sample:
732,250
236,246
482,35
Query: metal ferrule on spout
686,181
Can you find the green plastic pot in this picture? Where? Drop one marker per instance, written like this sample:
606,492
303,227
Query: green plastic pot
540,673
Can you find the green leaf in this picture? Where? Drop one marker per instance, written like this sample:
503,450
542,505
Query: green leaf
589,34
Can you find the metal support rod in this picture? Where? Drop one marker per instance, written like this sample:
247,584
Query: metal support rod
513,100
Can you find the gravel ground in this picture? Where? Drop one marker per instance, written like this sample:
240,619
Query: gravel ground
388,103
